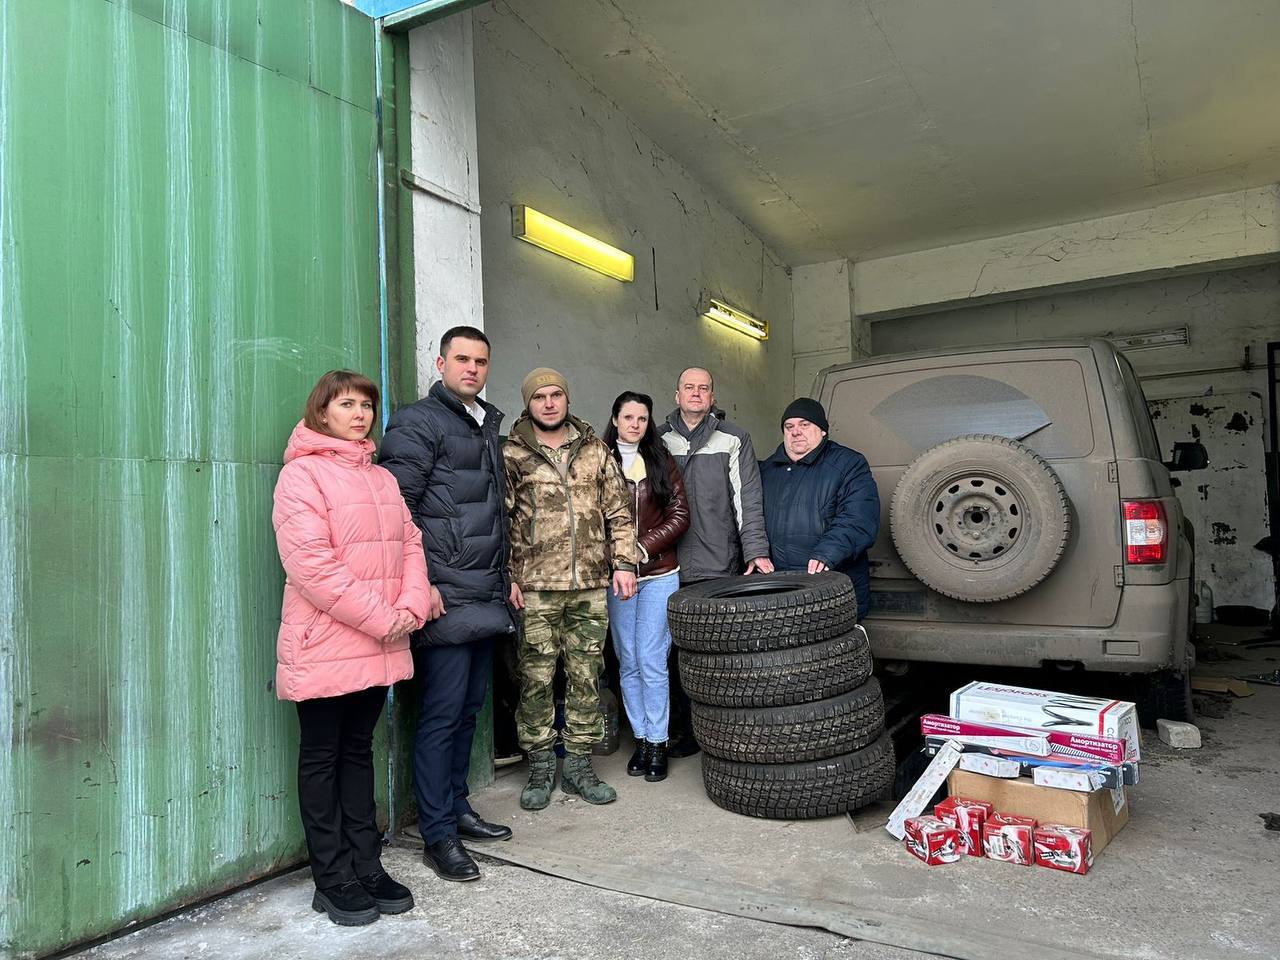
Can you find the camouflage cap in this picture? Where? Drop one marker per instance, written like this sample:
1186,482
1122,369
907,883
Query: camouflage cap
539,378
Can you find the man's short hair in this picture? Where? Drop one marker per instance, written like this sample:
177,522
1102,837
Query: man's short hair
711,379
466,333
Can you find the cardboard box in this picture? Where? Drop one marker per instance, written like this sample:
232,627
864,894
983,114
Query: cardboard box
1105,774
1085,747
931,840
1063,848
980,702
1082,781
1102,812
989,765
967,816
1009,838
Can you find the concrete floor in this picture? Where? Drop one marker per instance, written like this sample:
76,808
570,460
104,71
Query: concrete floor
509,914
1193,875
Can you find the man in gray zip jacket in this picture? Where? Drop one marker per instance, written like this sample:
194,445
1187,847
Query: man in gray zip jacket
726,534
722,482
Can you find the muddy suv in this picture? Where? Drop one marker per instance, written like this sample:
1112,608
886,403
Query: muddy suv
1028,519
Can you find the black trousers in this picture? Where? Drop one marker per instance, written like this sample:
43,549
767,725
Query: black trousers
680,725
335,784
452,682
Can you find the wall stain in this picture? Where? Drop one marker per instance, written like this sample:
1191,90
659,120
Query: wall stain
1239,423
1223,534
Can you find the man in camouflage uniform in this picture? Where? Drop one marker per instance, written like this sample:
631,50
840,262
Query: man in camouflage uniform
572,538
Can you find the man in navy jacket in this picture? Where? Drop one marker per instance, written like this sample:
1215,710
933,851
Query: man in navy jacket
821,506
445,453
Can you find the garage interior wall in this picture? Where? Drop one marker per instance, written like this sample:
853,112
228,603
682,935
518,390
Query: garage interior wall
548,140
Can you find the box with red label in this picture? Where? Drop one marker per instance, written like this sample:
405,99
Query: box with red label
967,816
1063,848
1009,838
931,840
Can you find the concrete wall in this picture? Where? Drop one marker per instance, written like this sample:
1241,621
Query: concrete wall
827,331
549,140
1224,312
443,181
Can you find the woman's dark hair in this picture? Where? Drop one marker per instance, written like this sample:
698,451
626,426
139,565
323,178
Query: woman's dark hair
657,461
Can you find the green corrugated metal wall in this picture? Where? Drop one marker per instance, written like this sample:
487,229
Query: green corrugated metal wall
188,238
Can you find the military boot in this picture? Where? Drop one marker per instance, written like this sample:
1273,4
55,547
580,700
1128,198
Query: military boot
542,773
580,778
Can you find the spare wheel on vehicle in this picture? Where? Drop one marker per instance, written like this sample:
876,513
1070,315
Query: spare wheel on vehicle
980,518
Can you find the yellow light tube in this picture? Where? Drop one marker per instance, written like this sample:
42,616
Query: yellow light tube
548,233
734,319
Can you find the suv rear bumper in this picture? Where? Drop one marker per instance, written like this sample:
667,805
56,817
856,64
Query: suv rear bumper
1149,634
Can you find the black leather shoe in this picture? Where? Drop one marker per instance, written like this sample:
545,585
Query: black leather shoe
686,746
450,860
348,904
389,896
471,827
639,760
656,768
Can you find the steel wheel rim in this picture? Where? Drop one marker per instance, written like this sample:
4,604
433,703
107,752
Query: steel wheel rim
977,518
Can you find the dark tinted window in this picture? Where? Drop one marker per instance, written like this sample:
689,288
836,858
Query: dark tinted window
1147,442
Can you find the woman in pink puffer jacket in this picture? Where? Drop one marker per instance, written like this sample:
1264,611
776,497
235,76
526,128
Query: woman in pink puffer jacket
355,588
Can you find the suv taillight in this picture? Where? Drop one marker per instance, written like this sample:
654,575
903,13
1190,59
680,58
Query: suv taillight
1146,532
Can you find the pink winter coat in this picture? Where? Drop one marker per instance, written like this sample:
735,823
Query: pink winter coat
352,557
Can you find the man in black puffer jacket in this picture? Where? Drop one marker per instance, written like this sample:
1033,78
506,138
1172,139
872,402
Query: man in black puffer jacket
444,451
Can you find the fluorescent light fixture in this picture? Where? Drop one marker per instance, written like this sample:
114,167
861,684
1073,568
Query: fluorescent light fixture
548,233
1153,338
733,318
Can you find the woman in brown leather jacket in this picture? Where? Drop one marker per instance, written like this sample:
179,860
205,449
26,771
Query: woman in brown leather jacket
639,625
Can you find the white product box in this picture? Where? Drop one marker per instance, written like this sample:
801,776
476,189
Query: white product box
981,702
990,766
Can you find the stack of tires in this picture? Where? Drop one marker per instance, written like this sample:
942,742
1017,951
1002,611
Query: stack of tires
790,720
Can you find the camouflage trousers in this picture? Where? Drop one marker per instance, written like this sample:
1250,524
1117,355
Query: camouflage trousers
571,624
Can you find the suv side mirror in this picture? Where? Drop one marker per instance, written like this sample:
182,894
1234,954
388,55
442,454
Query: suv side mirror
1188,455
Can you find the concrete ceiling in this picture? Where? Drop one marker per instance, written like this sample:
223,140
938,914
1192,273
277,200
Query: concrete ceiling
863,128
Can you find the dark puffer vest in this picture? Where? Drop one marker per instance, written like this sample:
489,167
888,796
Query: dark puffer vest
451,476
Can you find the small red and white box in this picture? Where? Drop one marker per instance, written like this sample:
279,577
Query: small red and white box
1009,838
967,816
931,840
1064,848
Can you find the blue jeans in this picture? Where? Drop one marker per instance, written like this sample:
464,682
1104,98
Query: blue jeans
642,640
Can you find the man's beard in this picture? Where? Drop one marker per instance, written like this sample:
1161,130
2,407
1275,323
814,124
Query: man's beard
548,427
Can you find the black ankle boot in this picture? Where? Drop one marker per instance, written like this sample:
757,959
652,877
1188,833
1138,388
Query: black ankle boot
388,895
656,767
347,904
639,760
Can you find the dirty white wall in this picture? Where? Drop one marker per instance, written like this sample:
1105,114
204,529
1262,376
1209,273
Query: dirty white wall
827,330
444,184
547,139
1227,501
1224,312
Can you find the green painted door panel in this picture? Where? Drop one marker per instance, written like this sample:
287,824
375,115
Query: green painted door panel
188,239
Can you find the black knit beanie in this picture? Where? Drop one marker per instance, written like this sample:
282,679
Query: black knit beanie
806,409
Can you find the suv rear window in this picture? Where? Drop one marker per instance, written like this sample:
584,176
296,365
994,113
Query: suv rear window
892,417
1148,442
